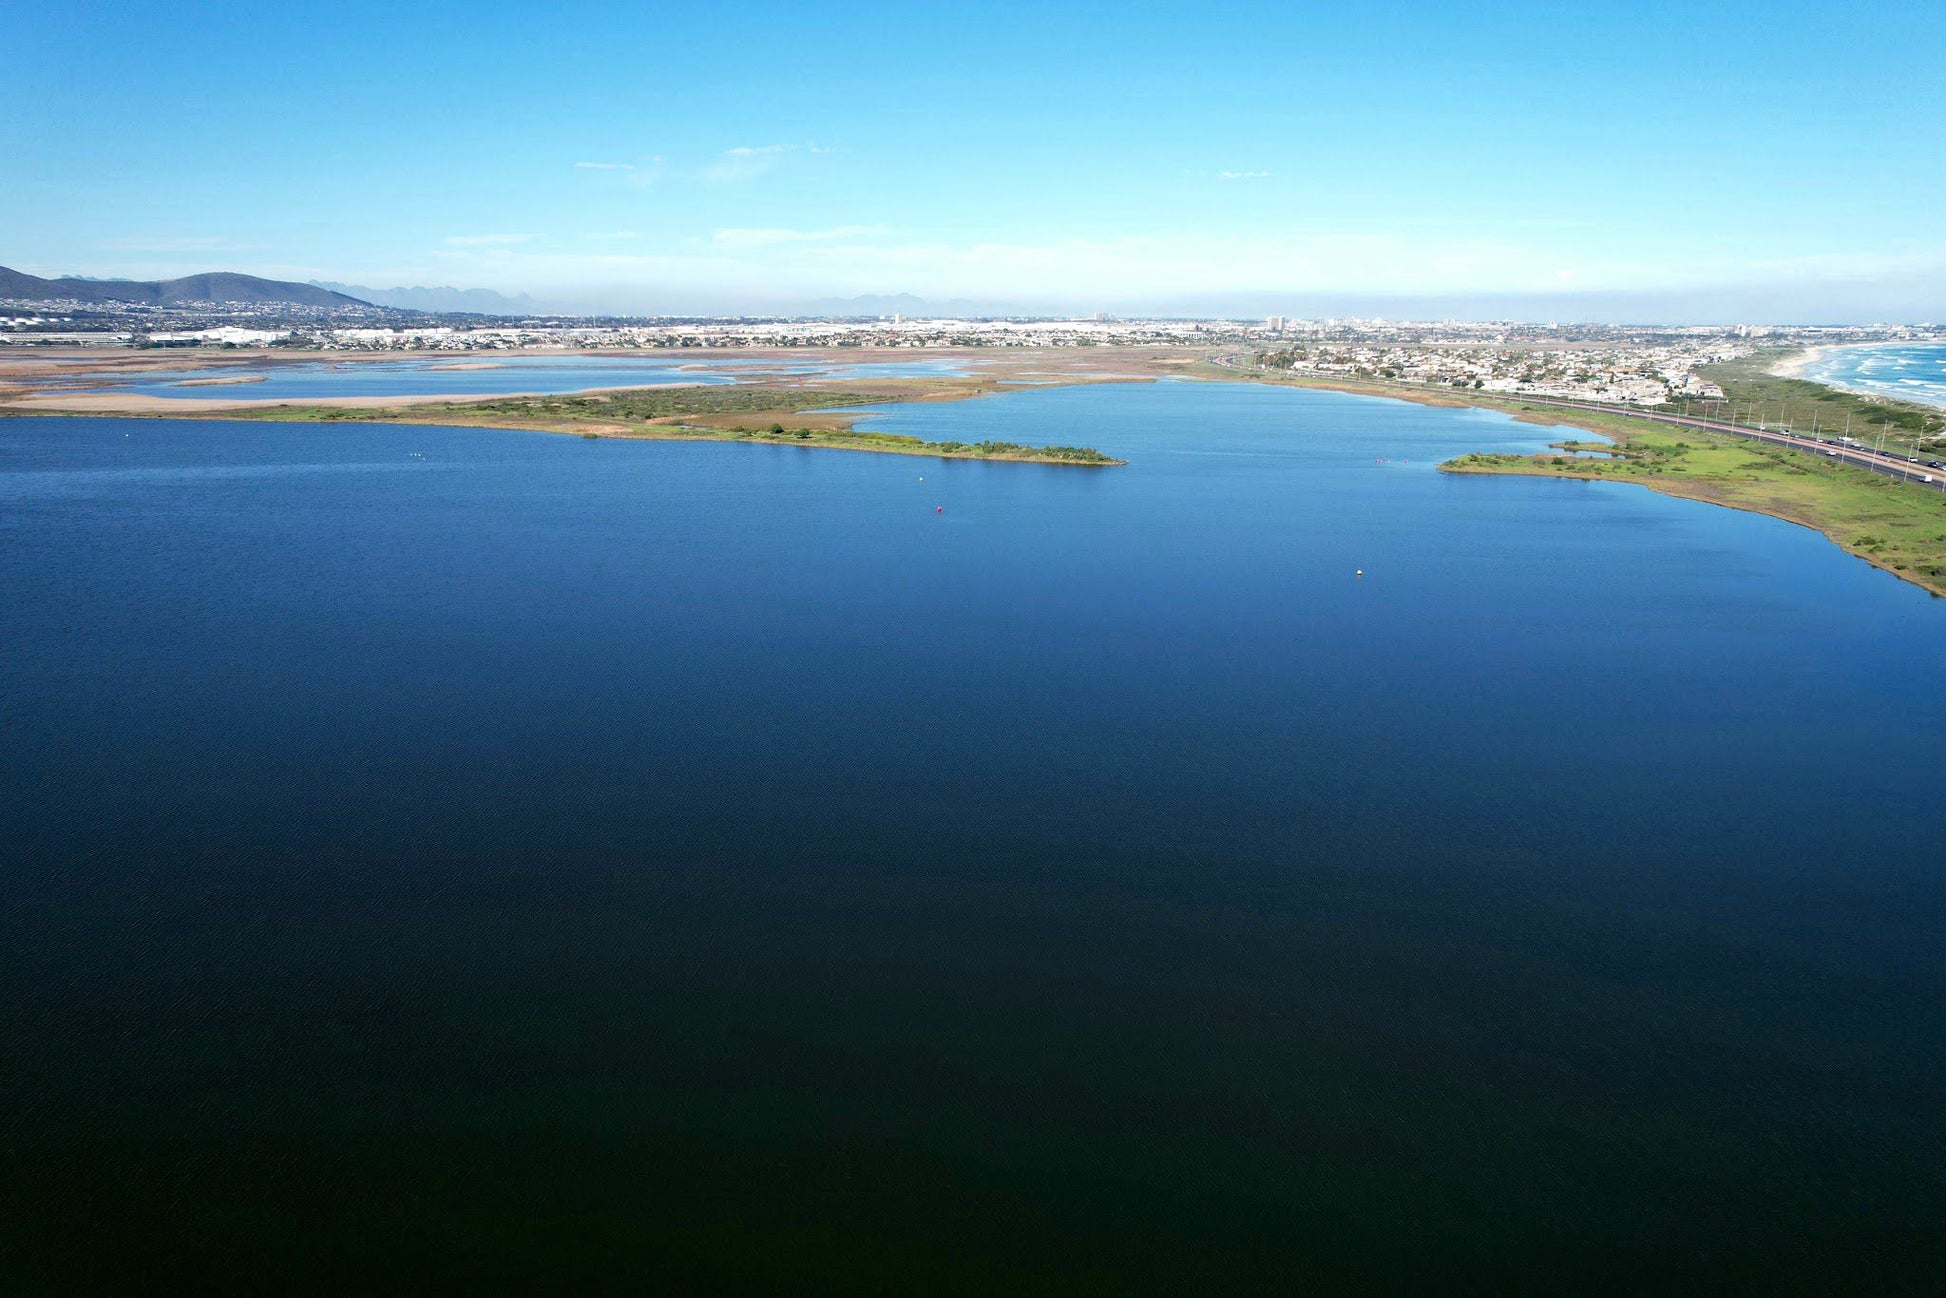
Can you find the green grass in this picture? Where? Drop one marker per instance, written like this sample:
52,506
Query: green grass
739,413
1895,525
1748,386
850,439
626,407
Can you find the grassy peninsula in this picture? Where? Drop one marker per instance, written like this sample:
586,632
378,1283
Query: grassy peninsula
1751,385
794,416
1893,525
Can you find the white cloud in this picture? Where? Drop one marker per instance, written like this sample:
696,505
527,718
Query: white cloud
488,240
766,238
748,161
644,163
644,172
1243,175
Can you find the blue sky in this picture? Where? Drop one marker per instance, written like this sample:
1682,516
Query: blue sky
1710,156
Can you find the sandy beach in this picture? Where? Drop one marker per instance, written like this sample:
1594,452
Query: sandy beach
1794,365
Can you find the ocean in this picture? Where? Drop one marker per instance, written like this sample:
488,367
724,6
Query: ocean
1907,371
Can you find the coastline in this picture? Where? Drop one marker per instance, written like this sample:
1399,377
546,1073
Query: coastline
1784,498
149,404
814,409
819,418
1794,365
770,393
1797,366
839,438
1933,585
227,381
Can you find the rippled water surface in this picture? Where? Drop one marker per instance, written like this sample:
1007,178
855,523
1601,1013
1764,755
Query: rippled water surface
1910,372
477,853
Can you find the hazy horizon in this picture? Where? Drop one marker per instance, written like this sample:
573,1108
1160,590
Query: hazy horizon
1771,307
1755,305
1662,163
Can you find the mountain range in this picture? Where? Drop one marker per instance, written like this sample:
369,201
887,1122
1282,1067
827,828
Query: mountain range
440,301
216,286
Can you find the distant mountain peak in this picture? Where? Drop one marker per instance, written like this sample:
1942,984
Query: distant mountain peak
212,286
441,299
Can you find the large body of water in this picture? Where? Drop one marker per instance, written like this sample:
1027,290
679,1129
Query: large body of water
1910,372
469,375
488,855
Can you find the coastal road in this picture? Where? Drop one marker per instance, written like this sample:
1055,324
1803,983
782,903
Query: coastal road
1891,466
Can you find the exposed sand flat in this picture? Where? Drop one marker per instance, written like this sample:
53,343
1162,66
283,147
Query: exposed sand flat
141,403
102,362
57,362
987,369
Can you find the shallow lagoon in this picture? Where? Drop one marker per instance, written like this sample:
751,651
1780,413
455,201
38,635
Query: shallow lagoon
474,374
505,850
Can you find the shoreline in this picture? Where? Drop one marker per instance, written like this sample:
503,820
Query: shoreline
1934,586
1622,430
831,428
226,381
767,393
821,439
596,414
146,404
1797,364
1794,365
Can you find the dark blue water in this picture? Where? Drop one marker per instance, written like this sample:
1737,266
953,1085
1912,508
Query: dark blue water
489,856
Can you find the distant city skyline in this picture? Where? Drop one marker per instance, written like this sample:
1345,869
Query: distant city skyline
1713,163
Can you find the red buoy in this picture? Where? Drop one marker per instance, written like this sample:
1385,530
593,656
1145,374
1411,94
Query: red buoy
940,510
